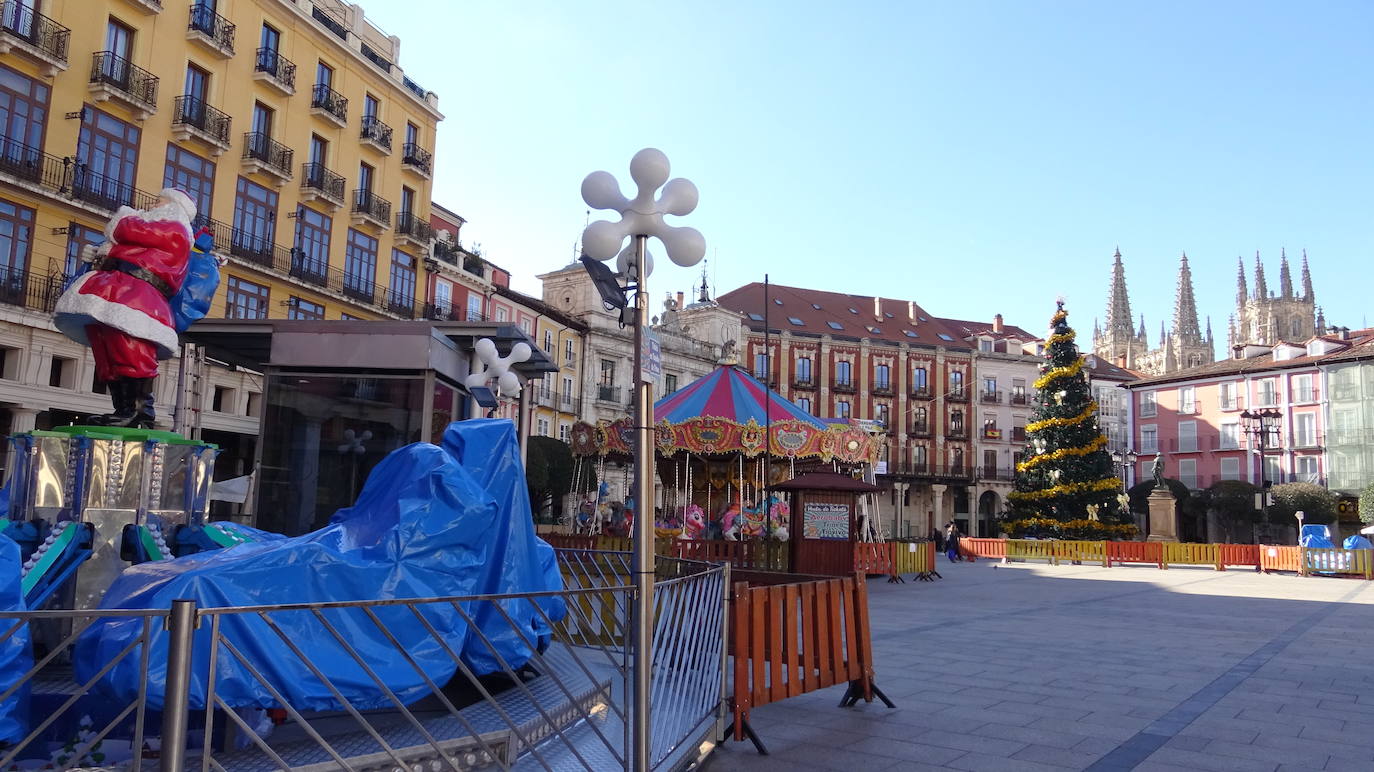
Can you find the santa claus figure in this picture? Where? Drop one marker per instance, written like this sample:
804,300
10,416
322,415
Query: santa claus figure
120,308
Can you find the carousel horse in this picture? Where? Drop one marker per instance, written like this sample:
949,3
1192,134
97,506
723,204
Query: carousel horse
779,515
730,522
693,522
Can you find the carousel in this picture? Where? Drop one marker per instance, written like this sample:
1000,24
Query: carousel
723,441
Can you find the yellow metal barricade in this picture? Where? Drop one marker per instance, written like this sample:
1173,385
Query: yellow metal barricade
1181,554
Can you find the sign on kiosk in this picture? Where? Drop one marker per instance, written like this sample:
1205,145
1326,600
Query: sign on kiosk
822,520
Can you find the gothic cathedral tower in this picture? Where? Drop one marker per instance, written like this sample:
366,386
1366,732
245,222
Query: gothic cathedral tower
1184,346
1120,343
1264,317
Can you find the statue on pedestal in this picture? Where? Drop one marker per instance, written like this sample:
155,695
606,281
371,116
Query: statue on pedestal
143,287
1158,471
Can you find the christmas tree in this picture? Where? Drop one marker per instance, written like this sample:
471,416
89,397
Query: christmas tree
1066,472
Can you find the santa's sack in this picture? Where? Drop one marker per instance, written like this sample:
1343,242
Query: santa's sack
192,301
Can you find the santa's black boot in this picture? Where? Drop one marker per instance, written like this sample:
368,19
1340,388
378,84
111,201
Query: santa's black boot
122,398
136,410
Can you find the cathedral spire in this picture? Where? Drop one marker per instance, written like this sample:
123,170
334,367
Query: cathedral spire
1285,278
1118,302
1321,321
1141,334
1241,293
1210,341
1306,280
1185,306
1261,289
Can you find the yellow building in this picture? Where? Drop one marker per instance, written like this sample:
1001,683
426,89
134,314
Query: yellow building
290,122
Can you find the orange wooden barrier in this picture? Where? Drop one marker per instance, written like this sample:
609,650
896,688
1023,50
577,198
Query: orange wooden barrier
1238,555
874,558
983,548
791,639
1277,558
1120,552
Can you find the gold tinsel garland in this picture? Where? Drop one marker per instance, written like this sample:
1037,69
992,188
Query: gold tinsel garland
1059,316
1059,372
1048,423
1062,337
1097,444
1066,489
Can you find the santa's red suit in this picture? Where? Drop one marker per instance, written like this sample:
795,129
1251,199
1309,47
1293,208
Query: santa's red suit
120,307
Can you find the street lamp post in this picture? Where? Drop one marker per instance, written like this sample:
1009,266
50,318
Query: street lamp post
1262,426
1125,460
640,219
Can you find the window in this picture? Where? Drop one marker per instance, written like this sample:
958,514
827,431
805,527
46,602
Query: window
311,259
197,85
1273,470
62,373
245,300
919,456
193,174
1305,430
270,38
23,116
119,40
607,372
920,420
918,379
1148,407
319,154
669,383
1295,328
804,370
365,175
527,326
565,432
371,106
1149,439
324,75
945,337
548,341
1187,436
16,242
835,325
255,221
794,320
1305,469
804,403
957,458
911,333
78,237
1268,393
756,317
882,414
1018,391
402,293
262,120
989,385
474,307
989,462
882,377
843,374
1187,400
1302,389
1227,395
956,421
842,409
502,314
407,201
568,351
1187,472
107,158
761,366
956,382
543,427
254,405
1230,436
990,427
985,345
360,264
304,310
1230,469
223,400
412,134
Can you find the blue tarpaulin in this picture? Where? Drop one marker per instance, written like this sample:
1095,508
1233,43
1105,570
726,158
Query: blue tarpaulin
15,656
430,522
1316,537
1357,542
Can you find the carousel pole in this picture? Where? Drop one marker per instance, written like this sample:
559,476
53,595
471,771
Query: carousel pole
644,522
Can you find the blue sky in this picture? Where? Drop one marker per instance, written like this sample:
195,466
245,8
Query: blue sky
975,157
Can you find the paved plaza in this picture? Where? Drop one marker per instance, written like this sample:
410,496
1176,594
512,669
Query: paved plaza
1037,667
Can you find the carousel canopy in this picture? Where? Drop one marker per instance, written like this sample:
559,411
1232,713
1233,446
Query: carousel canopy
826,481
731,394
727,412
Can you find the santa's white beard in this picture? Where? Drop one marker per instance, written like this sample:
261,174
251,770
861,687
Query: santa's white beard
164,213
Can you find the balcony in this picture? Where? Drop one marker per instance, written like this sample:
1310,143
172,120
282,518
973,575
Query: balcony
328,104
258,249
25,31
330,22
992,433
997,473
311,270
1304,396
33,291
919,430
957,395
275,70
414,230
147,6
320,184
1018,434
882,389
925,470
544,396
803,383
115,79
401,303
193,119
264,155
105,192
920,392
844,387
416,159
606,393
442,312
957,432
359,287
1019,398
372,209
371,55
990,397
212,31
376,134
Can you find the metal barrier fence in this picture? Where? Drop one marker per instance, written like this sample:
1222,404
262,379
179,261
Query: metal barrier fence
1262,557
531,680
830,558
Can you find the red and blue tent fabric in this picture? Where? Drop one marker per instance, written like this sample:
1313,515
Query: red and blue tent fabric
728,412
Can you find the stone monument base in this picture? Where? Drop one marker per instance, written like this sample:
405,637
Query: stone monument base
1163,517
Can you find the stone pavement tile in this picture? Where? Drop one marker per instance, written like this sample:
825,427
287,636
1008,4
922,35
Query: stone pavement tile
1313,757
973,698
730,759
1036,736
1188,742
1158,766
1346,765
828,757
1055,756
977,716
928,721
1115,719
1095,746
980,762
1206,761
990,746
1357,735
1284,718
1341,750
1040,709
1077,727
909,751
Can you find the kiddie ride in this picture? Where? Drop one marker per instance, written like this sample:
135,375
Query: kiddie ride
87,502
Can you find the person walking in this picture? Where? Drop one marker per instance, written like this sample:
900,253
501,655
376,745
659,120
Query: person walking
952,542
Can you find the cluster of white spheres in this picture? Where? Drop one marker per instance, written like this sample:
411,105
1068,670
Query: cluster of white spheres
642,215
498,368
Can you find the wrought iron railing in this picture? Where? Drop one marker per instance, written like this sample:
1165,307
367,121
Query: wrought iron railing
193,112
414,155
26,289
408,224
400,301
134,82
330,23
359,287
107,192
261,147
278,67
921,392
415,88
372,56
317,177
365,202
35,29
329,100
205,21
375,131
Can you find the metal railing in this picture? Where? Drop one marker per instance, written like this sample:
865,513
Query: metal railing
277,67
330,23
372,56
541,680
990,397
33,165
210,24
407,224
365,202
846,387
608,393
329,100
919,429
26,289
106,192
957,395
261,147
920,392
34,28
134,82
375,131
416,156
194,112
1019,398
317,176
359,287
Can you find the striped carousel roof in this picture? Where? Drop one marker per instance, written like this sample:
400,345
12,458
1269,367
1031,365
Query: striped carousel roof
731,394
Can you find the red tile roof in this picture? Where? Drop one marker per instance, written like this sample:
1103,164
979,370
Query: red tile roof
985,328
1358,345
